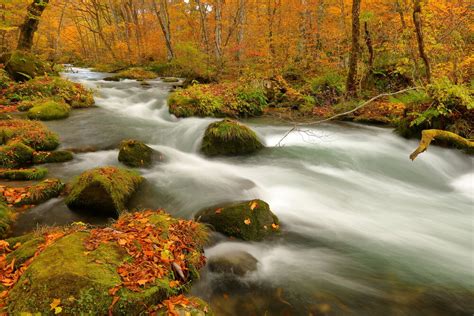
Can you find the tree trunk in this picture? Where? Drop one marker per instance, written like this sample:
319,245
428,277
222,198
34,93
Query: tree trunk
241,32
419,37
351,84
218,29
370,48
30,25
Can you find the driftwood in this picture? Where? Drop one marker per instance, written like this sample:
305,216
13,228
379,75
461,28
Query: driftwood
428,135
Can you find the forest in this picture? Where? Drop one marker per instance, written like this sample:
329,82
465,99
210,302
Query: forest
236,157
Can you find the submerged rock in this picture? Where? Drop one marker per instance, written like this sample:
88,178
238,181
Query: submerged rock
134,153
235,262
229,138
120,270
24,66
250,220
103,190
49,110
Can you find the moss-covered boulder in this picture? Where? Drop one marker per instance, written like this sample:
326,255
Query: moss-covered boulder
24,174
49,110
135,73
127,269
52,87
134,153
40,157
103,190
229,138
233,262
24,66
249,220
15,154
6,219
32,133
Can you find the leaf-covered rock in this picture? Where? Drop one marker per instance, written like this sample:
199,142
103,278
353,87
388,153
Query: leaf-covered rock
49,110
103,190
250,220
229,138
24,174
134,153
126,269
31,133
33,194
15,154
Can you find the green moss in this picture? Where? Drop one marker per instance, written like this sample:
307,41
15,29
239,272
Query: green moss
5,80
229,138
170,79
52,87
105,190
49,110
135,154
25,251
135,73
41,157
249,220
32,133
41,192
25,105
24,174
195,101
6,219
24,66
15,154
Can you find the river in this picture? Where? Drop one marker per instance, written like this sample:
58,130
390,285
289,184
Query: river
365,231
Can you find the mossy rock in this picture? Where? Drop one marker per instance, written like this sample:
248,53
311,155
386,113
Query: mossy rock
24,174
52,87
234,262
6,219
81,278
41,192
26,247
49,110
24,66
134,153
15,155
41,157
170,79
25,105
197,307
250,220
229,138
103,190
31,133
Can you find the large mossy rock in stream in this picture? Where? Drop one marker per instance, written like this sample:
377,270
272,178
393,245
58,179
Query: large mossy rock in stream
49,110
103,190
15,154
6,219
24,66
129,268
250,220
135,73
40,157
229,138
134,153
32,133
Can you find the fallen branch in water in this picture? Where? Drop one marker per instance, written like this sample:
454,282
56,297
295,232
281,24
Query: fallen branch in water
428,135
295,127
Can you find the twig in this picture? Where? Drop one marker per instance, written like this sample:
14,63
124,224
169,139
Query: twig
295,126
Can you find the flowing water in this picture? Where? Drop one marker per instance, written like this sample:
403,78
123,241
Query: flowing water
365,230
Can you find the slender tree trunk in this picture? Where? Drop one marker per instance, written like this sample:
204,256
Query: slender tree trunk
241,32
351,84
419,37
370,48
162,14
205,33
218,29
30,25
58,34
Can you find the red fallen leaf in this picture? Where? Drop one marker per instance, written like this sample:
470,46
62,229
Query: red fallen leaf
219,210
111,307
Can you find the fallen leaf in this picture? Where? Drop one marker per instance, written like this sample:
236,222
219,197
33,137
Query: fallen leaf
275,226
219,210
247,221
58,310
253,205
56,302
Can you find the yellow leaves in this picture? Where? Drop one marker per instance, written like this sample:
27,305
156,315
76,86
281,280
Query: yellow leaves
247,221
253,205
55,306
142,282
174,284
275,226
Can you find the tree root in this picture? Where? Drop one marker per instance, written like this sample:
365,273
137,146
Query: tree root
428,135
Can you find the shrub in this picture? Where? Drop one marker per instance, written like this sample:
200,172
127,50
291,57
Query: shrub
328,88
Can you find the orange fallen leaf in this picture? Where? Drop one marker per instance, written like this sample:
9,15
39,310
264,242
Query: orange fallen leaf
253,205
275,226
219,210
247,221
55,303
